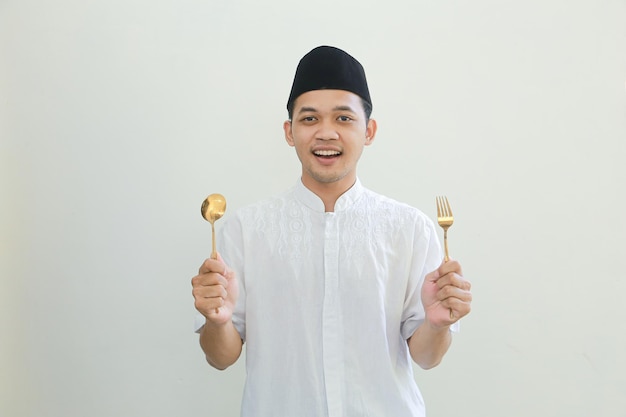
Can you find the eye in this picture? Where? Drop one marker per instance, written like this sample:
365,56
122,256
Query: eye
344,118
308,119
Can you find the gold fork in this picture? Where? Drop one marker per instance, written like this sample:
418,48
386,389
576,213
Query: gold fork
445,220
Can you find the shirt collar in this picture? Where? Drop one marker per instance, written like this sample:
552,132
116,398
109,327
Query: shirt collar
311,200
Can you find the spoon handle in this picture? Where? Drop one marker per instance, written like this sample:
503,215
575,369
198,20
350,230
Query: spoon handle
213,250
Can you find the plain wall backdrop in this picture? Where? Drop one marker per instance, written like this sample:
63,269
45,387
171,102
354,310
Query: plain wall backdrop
117,118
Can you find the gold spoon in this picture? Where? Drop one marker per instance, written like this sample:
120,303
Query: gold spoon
213,208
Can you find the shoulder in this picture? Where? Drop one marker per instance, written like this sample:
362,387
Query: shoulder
397,219
394,209
268,204
262,210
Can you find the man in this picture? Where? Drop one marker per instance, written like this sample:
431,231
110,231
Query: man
333,287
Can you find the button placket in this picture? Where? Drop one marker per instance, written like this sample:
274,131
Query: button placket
331,320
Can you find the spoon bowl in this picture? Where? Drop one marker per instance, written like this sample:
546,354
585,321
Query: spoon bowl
213,208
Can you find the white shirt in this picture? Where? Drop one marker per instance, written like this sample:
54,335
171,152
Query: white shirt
327,302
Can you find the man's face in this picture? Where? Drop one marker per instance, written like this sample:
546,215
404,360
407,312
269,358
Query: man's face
329,130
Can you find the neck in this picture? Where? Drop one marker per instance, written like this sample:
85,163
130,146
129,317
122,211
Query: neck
330,192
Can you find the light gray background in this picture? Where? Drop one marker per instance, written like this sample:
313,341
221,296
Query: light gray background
117,118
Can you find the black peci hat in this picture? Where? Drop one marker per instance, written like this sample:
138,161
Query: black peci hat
329,68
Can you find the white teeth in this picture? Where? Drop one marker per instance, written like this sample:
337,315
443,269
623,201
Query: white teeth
326,153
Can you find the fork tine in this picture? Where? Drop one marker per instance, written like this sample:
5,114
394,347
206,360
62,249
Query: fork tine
448,209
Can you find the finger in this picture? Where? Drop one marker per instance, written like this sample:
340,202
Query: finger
450,292
454,280
447,292
451,266
212,265
207,266
457,308
209,299
213,291
209,306
209,279
444,269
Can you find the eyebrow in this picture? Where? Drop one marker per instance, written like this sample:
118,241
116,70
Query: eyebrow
307,110
337,108
344,108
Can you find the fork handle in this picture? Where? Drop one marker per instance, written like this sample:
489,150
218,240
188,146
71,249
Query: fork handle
445,245
447,258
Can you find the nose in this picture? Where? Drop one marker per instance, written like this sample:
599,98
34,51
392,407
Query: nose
327,131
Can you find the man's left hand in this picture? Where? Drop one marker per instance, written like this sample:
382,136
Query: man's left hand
446,295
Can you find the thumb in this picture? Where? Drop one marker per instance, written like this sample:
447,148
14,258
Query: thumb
434,275
227,273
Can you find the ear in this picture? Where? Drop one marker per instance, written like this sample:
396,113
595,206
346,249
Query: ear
288,132
370,132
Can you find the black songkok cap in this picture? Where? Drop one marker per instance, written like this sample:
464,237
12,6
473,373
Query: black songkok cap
329,68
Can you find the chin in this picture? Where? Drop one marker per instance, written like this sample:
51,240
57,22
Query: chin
329,178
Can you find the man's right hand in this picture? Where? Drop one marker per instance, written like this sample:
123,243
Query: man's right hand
215,291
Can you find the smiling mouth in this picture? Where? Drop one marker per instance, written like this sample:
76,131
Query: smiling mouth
326,153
